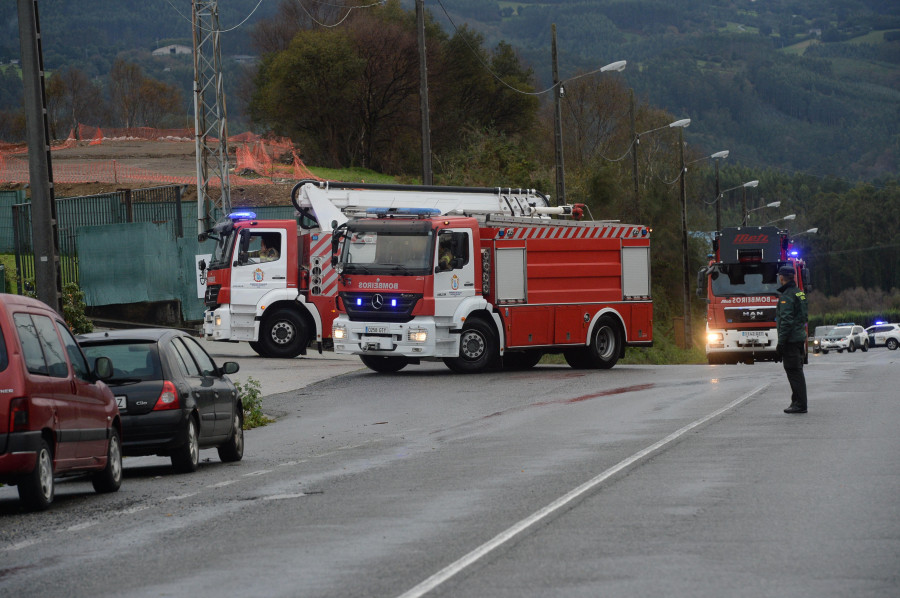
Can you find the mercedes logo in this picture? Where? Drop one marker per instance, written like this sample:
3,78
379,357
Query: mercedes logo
377,301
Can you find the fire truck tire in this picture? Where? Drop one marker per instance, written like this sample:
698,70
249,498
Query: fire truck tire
283,333
578,359
605,344
384,365
521,360
257,347
477,349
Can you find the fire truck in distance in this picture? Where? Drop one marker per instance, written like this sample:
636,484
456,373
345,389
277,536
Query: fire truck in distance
740,285
271,282
485,289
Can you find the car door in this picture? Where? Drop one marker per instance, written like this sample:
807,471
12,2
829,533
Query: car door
199,387
223,391
92,400
48,374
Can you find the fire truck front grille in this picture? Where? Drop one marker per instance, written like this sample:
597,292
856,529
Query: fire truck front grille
212,296
749,314
380,307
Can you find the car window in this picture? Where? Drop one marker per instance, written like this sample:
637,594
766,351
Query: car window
203,359
184,359
79,364
44,354
840,331
131,359
4,356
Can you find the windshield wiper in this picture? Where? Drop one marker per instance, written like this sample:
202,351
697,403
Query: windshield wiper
123,381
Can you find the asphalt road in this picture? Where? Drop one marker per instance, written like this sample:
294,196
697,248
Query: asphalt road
637,481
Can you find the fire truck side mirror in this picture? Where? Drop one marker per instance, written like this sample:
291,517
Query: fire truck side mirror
701,283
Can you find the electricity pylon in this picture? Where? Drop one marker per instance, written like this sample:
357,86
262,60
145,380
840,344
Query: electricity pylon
210,124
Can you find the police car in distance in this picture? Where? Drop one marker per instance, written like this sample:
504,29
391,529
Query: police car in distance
884,335
846,336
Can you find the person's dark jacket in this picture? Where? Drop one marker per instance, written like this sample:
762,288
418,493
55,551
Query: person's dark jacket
791,314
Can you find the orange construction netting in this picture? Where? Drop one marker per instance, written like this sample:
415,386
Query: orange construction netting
267,157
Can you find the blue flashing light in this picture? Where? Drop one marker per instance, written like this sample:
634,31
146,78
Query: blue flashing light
242,215
359,301
880,322
393,303
795,253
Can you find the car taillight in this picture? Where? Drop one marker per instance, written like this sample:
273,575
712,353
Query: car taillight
168,398
18,415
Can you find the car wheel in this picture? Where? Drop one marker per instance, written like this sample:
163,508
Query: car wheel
283,333
605,345
36,489
186,458
384,364
865,345
110,478
824,352
521,360
233,449
892,344
851,348
477,349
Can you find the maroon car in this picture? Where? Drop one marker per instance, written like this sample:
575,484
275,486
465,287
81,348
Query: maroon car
57,416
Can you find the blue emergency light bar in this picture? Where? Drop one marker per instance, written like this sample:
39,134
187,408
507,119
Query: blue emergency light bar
795,253
242,216
404,211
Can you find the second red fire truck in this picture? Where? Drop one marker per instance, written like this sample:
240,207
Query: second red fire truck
481,289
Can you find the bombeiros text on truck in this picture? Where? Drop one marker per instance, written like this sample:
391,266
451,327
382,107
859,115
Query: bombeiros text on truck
481,288
271,282
740,285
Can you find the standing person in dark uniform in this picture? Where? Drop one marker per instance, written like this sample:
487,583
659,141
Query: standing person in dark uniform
791,315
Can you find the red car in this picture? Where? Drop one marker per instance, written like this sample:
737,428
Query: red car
57,416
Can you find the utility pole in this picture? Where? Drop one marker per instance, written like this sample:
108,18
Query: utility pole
635,140
688,341
210,125
557,94
43,203
423,96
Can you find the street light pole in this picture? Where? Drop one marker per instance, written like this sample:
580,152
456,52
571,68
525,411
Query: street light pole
717,156
636,140
688,341
773,204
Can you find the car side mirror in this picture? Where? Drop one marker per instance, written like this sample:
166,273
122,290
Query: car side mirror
103,368
230,367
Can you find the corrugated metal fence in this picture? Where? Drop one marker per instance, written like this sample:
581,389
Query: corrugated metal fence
157,205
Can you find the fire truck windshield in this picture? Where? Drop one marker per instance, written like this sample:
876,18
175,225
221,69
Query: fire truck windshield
386,252
728,280
222,251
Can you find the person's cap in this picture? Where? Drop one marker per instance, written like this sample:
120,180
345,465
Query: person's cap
786,271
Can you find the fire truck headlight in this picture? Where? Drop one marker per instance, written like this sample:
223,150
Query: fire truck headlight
417,335
715,337
338,333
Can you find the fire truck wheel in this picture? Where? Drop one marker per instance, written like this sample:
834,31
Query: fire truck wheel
477,349
258,348
605,344
283,334
578,359
382,364
521,360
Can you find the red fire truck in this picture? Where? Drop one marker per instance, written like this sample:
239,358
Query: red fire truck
485,290
740,285
271,282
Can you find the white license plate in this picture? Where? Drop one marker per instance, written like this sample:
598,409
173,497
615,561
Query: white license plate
121,402
753,333
376,329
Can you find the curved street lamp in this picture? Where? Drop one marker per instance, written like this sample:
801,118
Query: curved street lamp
636,141
788,217
753,183
773,204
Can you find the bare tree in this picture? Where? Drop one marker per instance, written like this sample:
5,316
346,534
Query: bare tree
126,79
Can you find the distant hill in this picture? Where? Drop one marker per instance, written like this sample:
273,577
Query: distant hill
811,86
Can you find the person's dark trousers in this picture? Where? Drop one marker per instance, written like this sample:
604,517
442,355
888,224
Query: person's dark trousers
792,357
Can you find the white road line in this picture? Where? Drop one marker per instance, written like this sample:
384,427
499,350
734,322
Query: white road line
20,545
181,496
256,473
284,496
81,526
222,484
483,550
